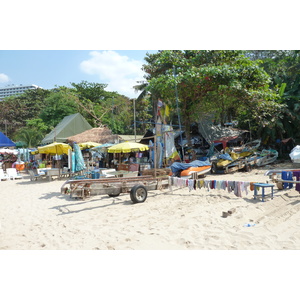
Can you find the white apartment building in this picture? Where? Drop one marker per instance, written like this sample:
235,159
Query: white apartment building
12,90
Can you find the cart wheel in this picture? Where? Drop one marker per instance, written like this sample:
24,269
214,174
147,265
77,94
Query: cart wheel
138,194
114,194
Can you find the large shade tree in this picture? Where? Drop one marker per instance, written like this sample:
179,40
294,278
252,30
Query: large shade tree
283,66
223,83
15,110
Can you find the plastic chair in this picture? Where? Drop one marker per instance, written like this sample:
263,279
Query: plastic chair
3,175
13,174
34,175
106,172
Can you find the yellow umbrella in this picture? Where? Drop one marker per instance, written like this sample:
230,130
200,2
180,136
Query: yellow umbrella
55,148
127,147
88,145
34,152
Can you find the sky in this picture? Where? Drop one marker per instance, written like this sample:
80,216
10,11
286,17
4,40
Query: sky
119,69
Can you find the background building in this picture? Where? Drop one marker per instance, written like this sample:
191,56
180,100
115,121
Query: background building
12,90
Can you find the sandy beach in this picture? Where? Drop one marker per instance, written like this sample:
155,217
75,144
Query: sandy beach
36,216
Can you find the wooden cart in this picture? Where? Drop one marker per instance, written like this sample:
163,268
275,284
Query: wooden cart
136,186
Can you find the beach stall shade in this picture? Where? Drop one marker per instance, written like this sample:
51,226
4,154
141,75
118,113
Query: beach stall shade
5,141
9,151
101,148
127,147
70,125
55,148
130,138
88,145
98,135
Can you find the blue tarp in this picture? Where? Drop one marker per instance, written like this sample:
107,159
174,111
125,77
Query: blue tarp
178,167
5,141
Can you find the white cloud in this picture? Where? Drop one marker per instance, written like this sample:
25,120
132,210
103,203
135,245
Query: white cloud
4,78
121,73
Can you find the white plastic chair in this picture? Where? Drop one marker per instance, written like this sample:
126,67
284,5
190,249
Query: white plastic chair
106,172
13,174
3,175
34,175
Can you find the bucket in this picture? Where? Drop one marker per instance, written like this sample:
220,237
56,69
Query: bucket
95,175
20,167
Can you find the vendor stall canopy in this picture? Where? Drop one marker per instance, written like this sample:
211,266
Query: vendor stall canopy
88,145
70,125
127,147
55,148
5,141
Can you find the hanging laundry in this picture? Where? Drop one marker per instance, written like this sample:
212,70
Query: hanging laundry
287,175
237,187
297,175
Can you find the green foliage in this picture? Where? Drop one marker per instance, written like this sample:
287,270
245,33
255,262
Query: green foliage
95,92
32,134
261,89
284,69
30,137
58,104
15,110
220,82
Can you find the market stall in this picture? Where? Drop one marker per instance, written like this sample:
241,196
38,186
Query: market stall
130,155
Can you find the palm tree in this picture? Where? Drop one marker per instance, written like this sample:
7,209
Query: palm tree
30,137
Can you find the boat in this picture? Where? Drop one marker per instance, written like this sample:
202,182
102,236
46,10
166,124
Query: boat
192,172
250,146
266,157
247,158
231,162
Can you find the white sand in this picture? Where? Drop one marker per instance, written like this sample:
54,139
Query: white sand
35,215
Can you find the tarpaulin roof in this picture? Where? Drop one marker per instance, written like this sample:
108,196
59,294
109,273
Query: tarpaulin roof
226,139
213,133
69,126
5,141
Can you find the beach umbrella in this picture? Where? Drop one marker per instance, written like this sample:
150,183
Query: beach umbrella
127,147
101,148
55,148
9,151
34,152
88,145
79,161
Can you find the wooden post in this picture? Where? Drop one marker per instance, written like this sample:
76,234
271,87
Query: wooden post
155,156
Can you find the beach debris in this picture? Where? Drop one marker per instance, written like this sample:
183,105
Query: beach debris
249,224
231,211
225,214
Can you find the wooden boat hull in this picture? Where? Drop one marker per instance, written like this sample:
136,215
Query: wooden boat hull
188,173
